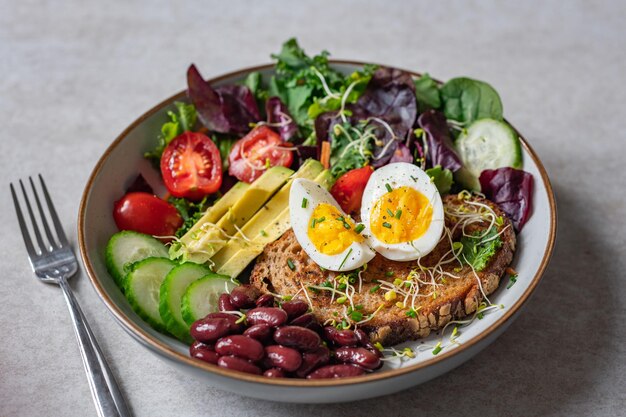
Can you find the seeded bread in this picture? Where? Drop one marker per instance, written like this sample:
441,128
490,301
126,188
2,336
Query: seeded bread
455,298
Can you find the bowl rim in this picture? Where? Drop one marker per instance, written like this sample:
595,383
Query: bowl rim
169,353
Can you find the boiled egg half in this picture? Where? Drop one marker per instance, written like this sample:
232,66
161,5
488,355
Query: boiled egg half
327,234
402,212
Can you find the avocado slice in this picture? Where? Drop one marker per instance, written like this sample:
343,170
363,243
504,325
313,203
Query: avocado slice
210,237
264,228
211,215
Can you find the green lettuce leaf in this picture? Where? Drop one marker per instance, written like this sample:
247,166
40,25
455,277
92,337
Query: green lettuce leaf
478,251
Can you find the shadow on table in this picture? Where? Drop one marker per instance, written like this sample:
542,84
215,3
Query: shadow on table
546,361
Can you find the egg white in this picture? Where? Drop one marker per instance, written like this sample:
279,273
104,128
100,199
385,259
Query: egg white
353,257
398,175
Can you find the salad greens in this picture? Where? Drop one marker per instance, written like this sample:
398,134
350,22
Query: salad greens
465,100
442,177
479,248
182,120
190,212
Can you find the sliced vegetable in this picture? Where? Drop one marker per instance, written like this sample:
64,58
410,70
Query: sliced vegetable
142,285
348,189
127,247
512,190
201,296
191,166
259,150
486,144
171,295
146,213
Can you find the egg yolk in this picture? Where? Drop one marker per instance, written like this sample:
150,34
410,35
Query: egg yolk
401,215
330,231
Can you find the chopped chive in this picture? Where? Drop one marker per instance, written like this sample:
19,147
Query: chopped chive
346,258
321,219
387,225
263,233
374,289
359,228
290,264
346,225
389,273
512,281
313,223
437,349
398,213
304,202
390,212
413,178
341,219
388,187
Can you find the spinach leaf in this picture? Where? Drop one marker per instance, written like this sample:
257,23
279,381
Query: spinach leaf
442,178
478,251
253,82
466,100
427,93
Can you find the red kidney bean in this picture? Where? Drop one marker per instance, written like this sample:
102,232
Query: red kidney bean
260,332
224,303
358,356
282,357
244,296
241,346
203,352
232,321
364,341
316,327
312,360
303,320
274,373
266,300
272,316
297,337
295,308
336,371
344,337
238,364
209,330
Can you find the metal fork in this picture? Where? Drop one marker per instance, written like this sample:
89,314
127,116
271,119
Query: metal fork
54,262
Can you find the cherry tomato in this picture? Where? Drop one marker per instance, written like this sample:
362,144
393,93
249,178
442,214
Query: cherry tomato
251,154
145,213
191,166
348,189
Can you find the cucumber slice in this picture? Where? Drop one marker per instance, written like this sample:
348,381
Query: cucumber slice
486,144
201,296
127,247
171,295
143,283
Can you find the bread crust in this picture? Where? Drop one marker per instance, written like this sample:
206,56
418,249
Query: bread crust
455,298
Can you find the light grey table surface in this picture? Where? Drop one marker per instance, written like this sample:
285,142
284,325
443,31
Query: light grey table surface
73,75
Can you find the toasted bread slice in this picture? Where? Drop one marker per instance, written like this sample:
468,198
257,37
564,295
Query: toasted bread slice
451,296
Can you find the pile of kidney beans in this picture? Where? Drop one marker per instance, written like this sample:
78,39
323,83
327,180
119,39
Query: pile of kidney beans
279,341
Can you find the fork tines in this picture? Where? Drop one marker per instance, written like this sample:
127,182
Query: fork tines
41,247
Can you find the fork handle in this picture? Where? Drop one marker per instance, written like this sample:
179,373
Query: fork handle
104,389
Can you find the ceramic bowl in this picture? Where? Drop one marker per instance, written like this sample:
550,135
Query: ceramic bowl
123,160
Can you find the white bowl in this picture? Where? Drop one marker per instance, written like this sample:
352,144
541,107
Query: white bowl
119,166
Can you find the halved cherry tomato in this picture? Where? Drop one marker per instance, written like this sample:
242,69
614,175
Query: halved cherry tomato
348,189
145,213
191,166
251,154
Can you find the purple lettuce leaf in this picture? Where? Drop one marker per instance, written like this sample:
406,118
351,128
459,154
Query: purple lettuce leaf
226,109
305,152
278,114
511,189
401,154
440,150
385,77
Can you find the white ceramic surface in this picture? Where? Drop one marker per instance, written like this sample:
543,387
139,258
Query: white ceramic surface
123,161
